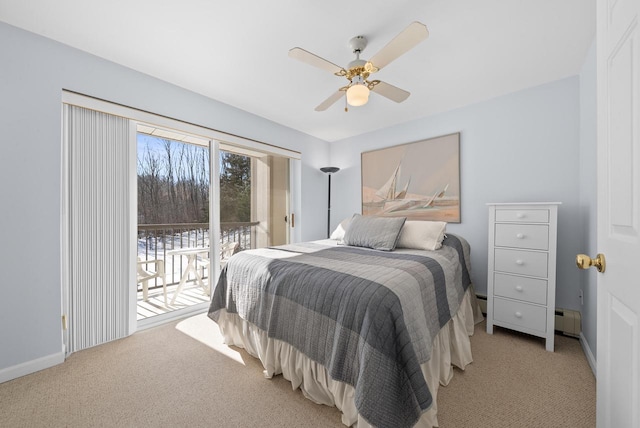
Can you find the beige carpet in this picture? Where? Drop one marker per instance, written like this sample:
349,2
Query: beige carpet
514,382
181,375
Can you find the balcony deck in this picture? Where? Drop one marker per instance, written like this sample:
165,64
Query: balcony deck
156,241
190,295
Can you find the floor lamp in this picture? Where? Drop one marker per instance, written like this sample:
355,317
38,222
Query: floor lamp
329,170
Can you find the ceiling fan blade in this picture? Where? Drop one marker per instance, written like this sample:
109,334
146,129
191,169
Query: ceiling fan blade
330,101
311,59
389,91
403,42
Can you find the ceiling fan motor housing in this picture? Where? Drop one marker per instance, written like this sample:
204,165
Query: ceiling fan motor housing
357,68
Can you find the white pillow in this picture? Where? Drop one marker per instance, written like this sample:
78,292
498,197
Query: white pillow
338,234
422,235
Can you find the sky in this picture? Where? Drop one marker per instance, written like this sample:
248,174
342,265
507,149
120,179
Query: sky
155,145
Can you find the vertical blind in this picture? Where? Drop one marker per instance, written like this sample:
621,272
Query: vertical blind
98,241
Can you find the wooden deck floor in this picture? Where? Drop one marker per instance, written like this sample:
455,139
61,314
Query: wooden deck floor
190,295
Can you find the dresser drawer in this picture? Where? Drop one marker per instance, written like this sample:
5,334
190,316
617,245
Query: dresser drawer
521,262
531,236
520,314
521,288
524,216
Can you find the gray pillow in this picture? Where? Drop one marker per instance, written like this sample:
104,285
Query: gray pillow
379,233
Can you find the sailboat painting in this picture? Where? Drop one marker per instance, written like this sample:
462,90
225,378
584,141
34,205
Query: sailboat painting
419,180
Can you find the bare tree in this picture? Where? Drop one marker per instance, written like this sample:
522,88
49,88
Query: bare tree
170,179
173,184
149,187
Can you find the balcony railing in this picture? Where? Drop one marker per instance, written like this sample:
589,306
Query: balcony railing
154,240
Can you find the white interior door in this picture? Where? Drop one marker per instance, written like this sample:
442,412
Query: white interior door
618,365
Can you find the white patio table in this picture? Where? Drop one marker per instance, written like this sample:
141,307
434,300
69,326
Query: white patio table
192,254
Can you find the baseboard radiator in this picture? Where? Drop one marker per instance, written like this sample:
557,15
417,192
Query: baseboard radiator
567,321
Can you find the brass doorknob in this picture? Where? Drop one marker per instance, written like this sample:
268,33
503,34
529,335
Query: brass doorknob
585,262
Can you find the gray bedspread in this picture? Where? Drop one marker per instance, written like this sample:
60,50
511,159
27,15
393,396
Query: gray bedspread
369,317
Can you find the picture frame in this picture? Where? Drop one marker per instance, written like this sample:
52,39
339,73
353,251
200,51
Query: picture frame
418,180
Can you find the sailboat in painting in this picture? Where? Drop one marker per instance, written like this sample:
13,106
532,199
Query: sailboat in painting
389,201
418,204
388,191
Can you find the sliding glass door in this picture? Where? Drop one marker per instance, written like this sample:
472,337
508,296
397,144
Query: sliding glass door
176,200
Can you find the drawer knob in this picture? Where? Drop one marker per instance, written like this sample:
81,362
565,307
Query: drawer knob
520,235
518,287
519,215
518,315
519,262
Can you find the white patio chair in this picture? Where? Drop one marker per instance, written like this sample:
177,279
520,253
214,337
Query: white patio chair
227,250
144,276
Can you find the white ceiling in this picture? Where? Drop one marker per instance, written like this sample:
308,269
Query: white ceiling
235,51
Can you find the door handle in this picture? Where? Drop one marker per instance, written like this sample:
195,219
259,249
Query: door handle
585,262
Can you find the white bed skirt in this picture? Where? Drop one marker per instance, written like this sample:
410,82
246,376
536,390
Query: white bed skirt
450,347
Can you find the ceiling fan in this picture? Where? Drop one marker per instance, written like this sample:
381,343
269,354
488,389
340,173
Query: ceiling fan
358,71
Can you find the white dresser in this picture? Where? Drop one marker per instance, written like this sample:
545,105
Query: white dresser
521,283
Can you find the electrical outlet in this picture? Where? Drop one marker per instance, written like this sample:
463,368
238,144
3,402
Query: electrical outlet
581,296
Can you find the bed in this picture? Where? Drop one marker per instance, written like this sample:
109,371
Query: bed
371,332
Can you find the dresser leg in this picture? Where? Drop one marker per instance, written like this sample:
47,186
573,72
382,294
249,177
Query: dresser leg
549,344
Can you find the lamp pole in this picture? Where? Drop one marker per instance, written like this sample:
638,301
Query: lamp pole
329,170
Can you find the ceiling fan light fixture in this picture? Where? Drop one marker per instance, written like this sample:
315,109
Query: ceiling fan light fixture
357,95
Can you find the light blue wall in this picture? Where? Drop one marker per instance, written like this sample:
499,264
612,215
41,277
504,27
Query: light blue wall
588,183
33,72
516,148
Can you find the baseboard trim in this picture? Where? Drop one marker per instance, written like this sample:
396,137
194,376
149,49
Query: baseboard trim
482,301
587,351
32,366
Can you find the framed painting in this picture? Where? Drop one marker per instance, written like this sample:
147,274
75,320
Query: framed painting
419,180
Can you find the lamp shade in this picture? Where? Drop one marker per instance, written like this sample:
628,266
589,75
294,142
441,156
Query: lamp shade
357,95
329,169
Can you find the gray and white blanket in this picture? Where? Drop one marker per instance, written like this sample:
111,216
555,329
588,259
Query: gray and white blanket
369,317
